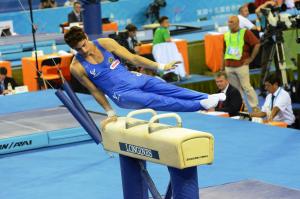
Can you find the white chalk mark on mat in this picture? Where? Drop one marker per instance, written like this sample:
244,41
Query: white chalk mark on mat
21,125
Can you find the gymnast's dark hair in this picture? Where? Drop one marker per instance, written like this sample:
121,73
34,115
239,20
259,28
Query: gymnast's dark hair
74,36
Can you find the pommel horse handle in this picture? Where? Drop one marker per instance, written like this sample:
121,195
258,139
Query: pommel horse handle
138,112
155,118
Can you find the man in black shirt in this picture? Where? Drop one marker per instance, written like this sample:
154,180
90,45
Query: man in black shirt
128,40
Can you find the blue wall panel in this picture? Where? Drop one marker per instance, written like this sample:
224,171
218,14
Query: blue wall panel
124,12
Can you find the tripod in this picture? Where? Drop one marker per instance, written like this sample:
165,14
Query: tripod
274,50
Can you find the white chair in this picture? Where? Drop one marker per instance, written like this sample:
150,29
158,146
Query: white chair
167,52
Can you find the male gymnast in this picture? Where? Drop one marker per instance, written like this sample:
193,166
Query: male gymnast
97,67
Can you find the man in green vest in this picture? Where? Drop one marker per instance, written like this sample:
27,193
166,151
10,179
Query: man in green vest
162,34
241,47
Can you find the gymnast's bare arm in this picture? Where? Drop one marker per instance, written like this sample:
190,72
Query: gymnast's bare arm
79,73
112,46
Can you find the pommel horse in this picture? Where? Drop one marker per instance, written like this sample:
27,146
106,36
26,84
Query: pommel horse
137,141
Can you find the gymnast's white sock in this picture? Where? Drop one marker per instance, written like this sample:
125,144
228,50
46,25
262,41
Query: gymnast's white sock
212,100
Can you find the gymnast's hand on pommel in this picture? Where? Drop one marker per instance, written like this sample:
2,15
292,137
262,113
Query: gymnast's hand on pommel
108,120
168,66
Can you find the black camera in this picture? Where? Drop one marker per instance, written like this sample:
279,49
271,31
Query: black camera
277,21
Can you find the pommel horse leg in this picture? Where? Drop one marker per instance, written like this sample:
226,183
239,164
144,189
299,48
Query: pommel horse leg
184,182
134,185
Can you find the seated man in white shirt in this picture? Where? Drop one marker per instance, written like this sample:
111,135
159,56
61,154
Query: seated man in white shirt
243,18
278,104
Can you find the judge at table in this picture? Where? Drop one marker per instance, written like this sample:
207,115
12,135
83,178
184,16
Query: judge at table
75,15
278,104
233,102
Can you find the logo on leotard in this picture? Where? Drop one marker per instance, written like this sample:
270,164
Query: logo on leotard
94,74
116,96
114,64
110,60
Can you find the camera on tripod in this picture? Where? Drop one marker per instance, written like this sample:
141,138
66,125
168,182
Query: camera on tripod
272,42
278,22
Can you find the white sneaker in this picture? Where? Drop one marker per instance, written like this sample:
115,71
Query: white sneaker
212,100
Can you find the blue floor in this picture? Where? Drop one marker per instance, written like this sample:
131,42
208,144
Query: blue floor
243,150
